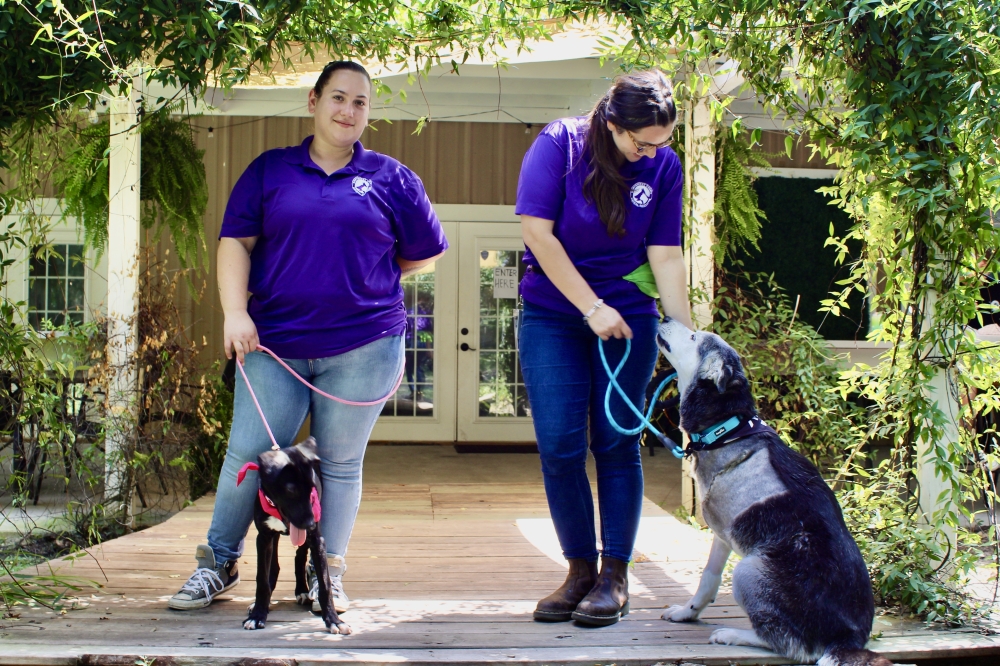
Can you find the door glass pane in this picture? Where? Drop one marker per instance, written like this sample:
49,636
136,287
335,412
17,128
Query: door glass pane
415,396
501,389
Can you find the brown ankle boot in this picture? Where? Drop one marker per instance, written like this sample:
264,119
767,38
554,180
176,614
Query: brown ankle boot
608,601
558,606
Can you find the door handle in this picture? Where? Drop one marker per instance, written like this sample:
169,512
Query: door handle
465,347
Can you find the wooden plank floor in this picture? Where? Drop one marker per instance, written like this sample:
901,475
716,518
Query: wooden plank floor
438,572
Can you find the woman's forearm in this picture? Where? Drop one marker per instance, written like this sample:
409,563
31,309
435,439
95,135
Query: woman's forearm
410,267
234,272
552,257
670,273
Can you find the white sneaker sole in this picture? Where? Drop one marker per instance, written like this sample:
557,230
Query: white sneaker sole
194,604
338,605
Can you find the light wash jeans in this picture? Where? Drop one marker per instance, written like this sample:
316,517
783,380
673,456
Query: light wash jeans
341,432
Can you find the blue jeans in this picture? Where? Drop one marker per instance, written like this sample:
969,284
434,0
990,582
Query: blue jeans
341,432
566,382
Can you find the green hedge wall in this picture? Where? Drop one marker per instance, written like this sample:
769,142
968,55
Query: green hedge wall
792,247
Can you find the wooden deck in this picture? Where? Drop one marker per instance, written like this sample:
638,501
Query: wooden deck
439,573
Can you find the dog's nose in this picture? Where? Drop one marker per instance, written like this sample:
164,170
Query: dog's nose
667,319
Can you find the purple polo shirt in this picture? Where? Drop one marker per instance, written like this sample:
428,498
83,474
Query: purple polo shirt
323,273
551,187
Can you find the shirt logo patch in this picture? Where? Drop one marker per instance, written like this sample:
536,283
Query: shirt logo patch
362,185
642,194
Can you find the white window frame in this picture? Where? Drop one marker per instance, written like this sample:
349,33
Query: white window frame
62,232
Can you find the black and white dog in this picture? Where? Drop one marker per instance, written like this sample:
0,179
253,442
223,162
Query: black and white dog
802,580
288,501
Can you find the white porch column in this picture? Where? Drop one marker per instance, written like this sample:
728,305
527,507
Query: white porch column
939,391
699,148
123,273
699,174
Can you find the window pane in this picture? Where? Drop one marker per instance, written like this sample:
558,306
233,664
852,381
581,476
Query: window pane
57,261
487,369
415,394
487,333
56,295
75,256
36,294
425,367
37,265
76,317
76,295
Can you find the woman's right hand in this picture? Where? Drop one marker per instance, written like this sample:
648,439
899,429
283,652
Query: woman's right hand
607,323
240,334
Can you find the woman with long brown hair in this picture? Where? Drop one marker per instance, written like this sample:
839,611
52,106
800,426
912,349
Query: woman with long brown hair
600,202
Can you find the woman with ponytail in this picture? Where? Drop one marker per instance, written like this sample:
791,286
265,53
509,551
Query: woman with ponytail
600,205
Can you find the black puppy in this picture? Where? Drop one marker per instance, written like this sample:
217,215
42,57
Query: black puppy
288,501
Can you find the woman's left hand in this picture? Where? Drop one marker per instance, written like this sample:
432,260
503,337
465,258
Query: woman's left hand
607,323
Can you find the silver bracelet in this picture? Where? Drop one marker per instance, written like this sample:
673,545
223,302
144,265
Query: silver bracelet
595,308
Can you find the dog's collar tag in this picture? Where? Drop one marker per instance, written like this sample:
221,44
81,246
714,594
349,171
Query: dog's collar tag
268,505
716,432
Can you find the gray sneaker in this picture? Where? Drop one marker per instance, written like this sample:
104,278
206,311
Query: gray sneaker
207,582
337,567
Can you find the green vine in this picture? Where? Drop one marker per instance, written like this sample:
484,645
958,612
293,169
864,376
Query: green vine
173,186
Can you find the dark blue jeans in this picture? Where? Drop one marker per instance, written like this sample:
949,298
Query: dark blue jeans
566,381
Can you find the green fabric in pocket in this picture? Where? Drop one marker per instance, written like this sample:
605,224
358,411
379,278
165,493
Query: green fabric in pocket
642,277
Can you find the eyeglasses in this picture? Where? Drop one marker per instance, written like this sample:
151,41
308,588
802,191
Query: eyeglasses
642,146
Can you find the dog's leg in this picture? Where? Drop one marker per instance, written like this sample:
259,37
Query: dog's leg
273,580
266,544
746,637
318,547
301,583
707,588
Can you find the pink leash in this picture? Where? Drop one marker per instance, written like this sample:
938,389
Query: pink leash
274,443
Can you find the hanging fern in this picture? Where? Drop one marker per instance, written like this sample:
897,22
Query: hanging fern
737,214
82,177
173,186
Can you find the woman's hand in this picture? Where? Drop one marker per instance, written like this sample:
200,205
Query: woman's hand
240,334
607,323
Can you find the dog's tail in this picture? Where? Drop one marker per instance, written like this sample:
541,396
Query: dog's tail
840,656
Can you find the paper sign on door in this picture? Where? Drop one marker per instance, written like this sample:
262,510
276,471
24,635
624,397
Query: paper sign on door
505,282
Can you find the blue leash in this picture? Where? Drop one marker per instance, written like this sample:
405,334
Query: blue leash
643,419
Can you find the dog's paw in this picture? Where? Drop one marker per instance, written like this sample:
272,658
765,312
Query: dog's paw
727,636
685,613
250,624
341,628
302,599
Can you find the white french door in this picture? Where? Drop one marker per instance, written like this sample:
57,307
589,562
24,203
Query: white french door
463,378
492,403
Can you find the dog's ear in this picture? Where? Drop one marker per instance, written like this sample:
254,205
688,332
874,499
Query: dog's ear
715,369
309,448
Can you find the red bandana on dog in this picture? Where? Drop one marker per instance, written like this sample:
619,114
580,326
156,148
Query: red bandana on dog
297,535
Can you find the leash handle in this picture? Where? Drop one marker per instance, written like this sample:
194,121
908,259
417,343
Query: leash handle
644,420
354,403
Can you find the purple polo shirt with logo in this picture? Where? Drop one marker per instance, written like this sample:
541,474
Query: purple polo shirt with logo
551,187
323,273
